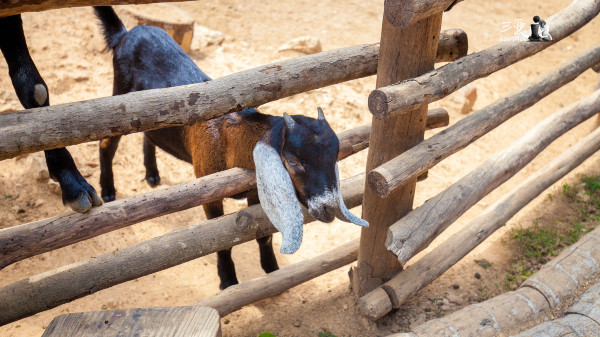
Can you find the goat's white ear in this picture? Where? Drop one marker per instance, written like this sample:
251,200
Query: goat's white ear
344,214
278,197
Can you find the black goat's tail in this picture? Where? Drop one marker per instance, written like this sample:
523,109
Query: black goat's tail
112,26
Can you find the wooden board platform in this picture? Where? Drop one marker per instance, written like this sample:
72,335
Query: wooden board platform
192,321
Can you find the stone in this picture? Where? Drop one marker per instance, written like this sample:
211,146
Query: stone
303,44
204,37
54,187
38,168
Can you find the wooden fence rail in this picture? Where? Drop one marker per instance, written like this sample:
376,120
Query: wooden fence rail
428,153
27,240
55,287
55,126
415,231
434,85
396,291
401,13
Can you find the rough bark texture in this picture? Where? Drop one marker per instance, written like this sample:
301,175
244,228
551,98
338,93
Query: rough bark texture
516,308
453,44
416,230
396,291
275,283
432,86
404,53
56,126
425,155
401,13
55,287
19,6
148,322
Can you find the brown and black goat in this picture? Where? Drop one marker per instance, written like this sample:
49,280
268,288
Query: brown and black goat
32,92
294,156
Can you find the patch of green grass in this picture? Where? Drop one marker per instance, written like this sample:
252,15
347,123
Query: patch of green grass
485,264
326,333
566,190
267,334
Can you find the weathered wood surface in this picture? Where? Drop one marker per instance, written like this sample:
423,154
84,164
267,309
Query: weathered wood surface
55,126
55,287
432,86
415,231
404,53
13,7
396,291
23,241
275,283
453,44
514,309
175,21
401,13
188,321
425,155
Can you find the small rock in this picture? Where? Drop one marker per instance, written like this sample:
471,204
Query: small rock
204,37
445,301
226,321
303,44
477,276
455,286
38,168
455,299
445,307
297,324
38,203
54,187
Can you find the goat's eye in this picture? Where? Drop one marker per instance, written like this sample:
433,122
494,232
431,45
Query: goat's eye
292,162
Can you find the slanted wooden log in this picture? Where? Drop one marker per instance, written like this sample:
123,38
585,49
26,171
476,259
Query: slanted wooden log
434,85
23,241
55,126
396,291
401,13
567,326
175,21
149,322
404,53
496,316
415,231
425,155
19,6
55,287
237,296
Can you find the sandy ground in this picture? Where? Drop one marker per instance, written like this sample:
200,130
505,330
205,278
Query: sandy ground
68,50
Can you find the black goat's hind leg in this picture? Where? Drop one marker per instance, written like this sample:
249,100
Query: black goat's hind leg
152,176
225,266
33,93
108,148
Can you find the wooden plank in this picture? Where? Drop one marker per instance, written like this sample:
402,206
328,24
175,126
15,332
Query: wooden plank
56,126
415,231
434,85
404,53
55,287
14,7
401,13
428,268
425,155
26,240
275,283
191,321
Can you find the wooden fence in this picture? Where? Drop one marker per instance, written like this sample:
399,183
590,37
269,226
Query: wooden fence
398,105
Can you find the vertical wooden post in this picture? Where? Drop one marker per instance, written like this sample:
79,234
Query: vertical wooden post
404,53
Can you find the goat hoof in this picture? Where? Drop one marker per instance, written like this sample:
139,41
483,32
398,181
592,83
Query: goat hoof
77,193
85,201
226,284
153,181
108,197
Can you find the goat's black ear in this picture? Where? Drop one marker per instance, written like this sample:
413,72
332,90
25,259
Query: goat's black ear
277,196
321,114
343,212
289,121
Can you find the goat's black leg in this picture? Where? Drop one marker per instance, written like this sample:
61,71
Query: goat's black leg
152,176
225,266
108,148
33,92
268,261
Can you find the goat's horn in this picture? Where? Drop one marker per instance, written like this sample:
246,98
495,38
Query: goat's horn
289,121
321,114
40,94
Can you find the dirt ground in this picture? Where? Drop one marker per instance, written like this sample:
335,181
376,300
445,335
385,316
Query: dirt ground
69,52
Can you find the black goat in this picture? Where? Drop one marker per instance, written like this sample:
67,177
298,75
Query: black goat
33,92
294,157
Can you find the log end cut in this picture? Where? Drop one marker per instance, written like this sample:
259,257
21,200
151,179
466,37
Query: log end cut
378,104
